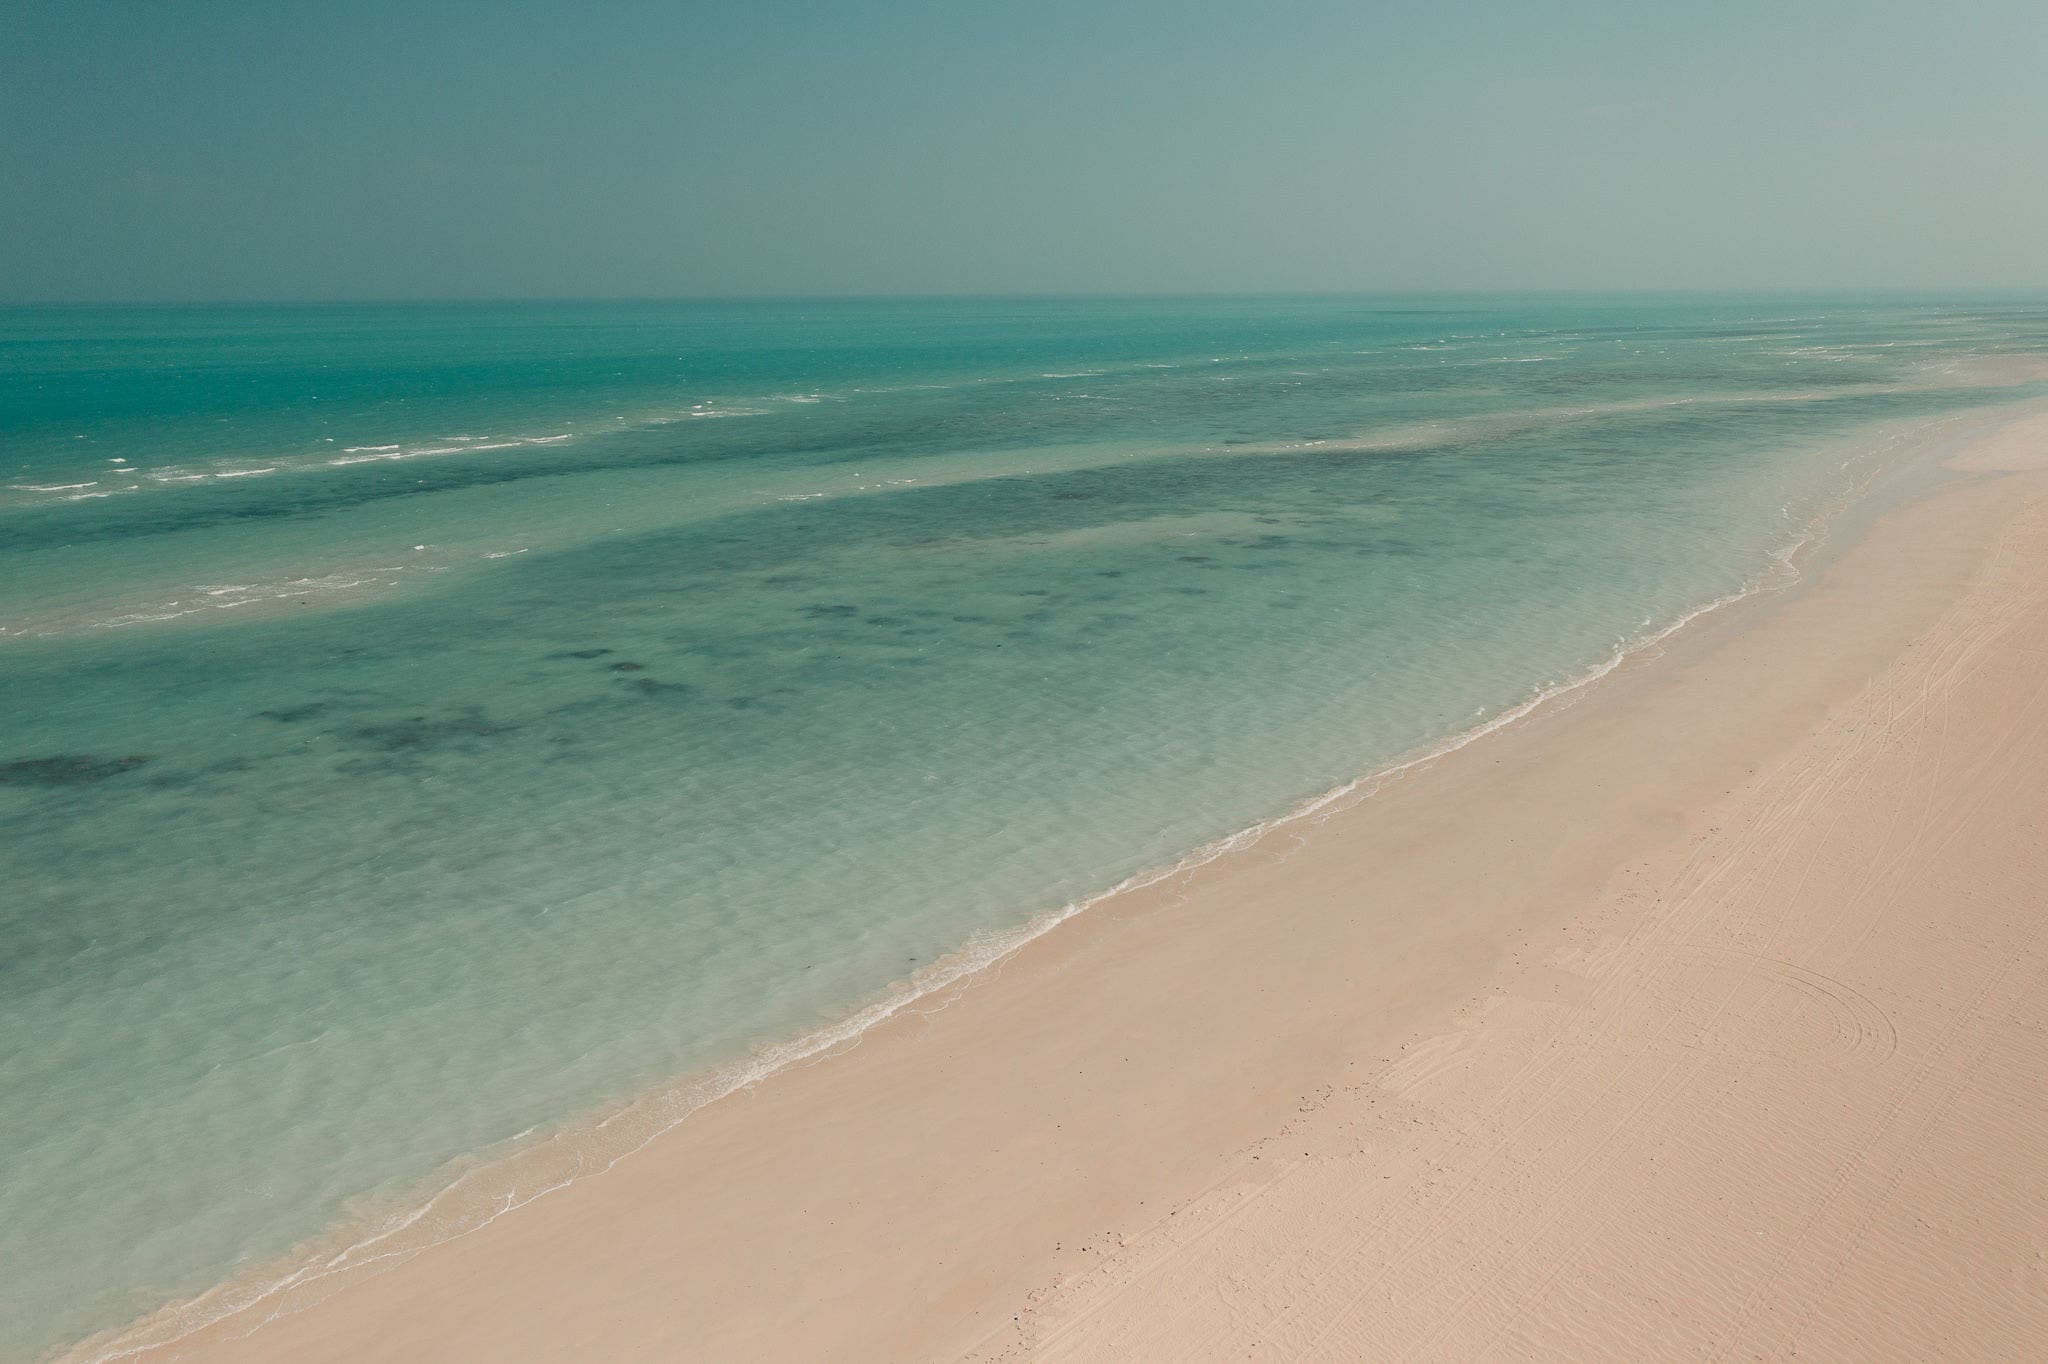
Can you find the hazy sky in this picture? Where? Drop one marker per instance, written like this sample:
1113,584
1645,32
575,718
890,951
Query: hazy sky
180,149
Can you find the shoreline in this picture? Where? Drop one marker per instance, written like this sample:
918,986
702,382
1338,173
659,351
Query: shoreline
978,970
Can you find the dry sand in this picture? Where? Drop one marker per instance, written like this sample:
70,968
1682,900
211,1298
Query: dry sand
1703,1016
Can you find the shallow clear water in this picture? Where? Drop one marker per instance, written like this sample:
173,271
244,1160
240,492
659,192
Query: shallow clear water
429,723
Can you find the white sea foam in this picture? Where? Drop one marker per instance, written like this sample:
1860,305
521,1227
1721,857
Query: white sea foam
349,455
217,597
140,618
707,410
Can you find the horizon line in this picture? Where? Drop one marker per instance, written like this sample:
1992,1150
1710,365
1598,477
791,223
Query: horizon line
1626,291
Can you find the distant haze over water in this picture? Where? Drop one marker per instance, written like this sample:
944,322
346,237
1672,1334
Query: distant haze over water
219,149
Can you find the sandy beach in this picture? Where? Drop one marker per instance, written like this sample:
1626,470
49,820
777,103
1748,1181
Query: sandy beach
1698,1015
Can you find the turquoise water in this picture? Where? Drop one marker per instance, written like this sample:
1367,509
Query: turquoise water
431,724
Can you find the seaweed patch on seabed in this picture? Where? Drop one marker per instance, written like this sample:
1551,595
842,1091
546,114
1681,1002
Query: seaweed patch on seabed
417,733
67,769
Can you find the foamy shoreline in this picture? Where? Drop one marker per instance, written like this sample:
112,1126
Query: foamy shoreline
891,1023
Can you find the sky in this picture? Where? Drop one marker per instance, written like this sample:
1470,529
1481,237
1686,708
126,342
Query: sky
362,149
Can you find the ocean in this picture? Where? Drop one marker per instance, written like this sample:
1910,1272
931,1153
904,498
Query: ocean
431,729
